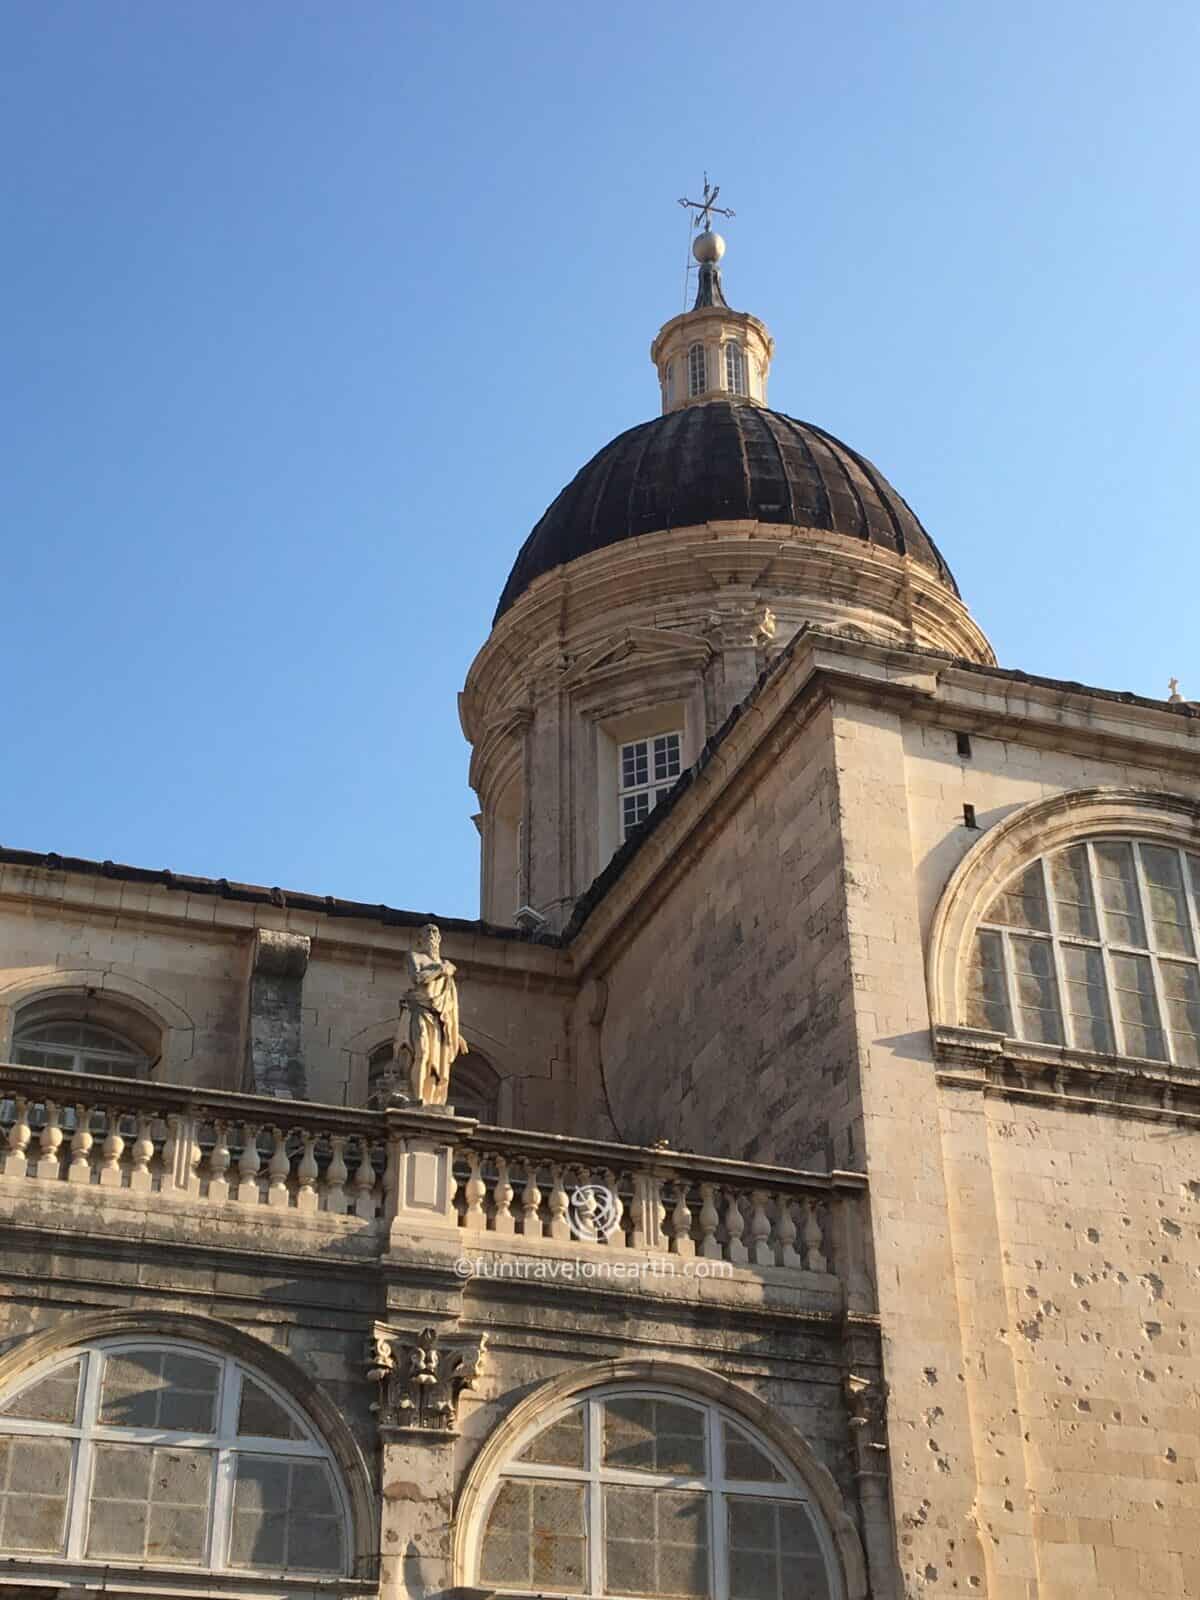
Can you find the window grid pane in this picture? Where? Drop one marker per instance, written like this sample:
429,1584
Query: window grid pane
648,770
735,369
987,984
35,1478
1118,969
697,370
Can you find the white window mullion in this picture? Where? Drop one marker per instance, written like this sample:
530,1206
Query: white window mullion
81,1490
594,1492
718,1524
1060,977
229,1402
222,1510
1010,978
1152,947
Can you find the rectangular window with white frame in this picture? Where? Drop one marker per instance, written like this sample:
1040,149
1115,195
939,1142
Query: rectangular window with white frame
647,769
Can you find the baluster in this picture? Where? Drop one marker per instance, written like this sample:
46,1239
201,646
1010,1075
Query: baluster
189,1168
171,1150
617,1237
335,1176
503,1221
141,1153
558,1227
761,1251
16,1162
249,1165
814,1256
785,1233
279,1170
218,1165
710,1221
735,1226
364,1183
682,1243
49,1139
80,1170
586,1224
475,1192
306,1174
111,1151
531,1203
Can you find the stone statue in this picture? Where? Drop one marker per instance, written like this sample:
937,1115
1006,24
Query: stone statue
427,1039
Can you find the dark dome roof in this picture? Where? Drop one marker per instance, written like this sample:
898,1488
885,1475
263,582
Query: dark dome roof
716,462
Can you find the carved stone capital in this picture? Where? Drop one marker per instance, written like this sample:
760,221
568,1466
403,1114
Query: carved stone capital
421,1377
867,1402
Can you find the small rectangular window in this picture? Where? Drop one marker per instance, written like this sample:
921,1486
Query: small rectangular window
964,745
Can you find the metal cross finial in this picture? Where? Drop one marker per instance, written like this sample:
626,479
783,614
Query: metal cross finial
706,208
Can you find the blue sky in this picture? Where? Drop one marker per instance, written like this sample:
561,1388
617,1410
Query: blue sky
313,307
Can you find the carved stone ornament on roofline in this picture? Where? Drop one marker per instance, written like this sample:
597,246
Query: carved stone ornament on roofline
421,1377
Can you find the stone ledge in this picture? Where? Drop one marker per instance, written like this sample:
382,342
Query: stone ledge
971,1058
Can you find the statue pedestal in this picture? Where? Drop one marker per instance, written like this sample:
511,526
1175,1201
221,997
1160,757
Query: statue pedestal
421,1141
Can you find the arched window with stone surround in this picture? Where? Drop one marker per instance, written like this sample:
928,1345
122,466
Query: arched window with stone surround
642,1491
1095,945
84,1031
156,1453
697,369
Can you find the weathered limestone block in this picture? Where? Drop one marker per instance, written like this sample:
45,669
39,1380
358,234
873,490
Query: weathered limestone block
274,1062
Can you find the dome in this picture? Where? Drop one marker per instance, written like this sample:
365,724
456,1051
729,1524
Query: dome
721,461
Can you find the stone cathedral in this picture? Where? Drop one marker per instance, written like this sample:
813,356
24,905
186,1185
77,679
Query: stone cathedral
787,1189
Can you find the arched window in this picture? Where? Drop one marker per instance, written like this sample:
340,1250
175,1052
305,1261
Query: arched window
474,1083
474,1087
1095,946
164,1454
697,370
644,1492
71,1046
735,369
379,1068
668,385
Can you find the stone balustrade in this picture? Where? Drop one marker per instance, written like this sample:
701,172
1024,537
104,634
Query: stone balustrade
618,1197
408,1170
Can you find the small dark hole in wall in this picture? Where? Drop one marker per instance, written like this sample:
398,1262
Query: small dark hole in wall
964,745
969,817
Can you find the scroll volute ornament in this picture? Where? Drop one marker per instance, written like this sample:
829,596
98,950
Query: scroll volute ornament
421,1377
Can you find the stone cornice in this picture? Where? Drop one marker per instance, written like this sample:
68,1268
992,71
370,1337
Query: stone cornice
340,930
1070,1080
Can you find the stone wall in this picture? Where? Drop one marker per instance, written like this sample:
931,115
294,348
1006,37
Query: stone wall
1077,1254
729,1026
185,966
